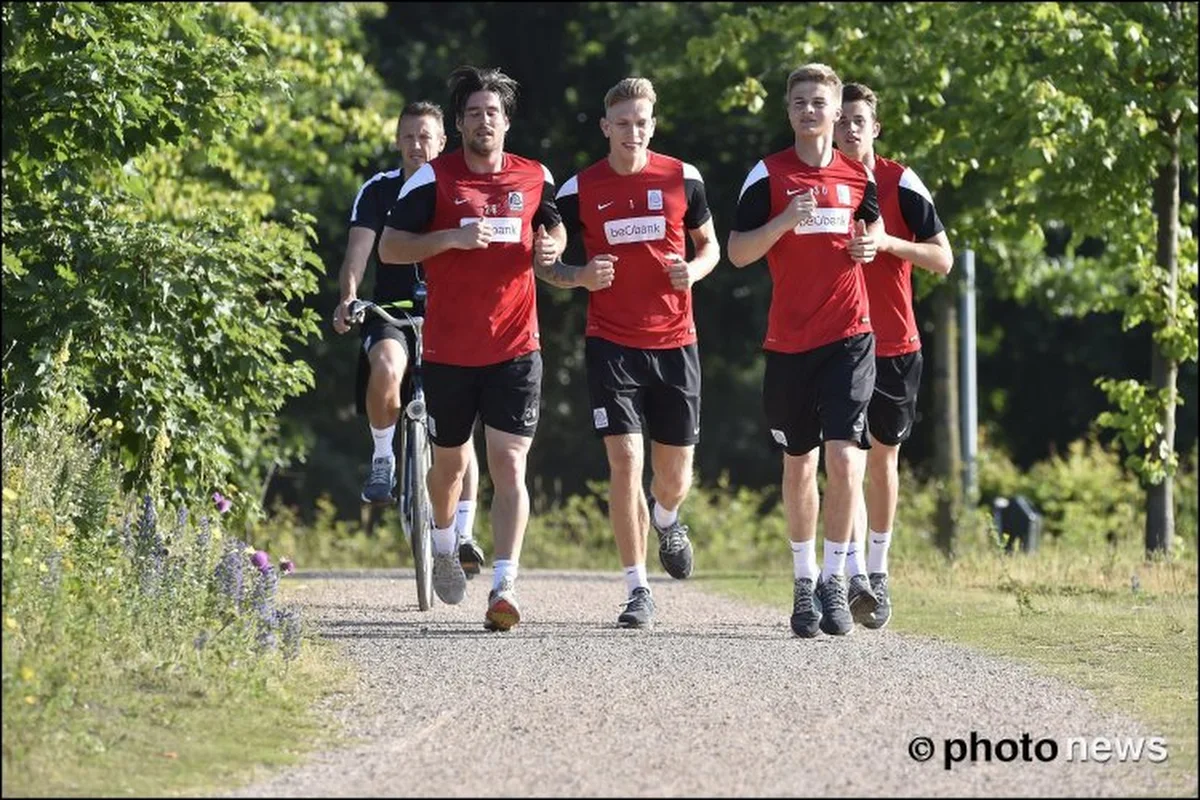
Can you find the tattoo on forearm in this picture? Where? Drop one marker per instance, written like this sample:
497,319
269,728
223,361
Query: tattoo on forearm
559,274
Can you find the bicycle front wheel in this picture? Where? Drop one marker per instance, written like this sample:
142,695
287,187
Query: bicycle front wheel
421,515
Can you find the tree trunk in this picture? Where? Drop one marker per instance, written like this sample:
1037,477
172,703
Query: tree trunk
947,455
1164,370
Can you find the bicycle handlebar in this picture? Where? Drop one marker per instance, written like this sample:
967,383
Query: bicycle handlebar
357,312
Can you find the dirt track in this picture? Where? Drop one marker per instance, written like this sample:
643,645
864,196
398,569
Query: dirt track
717,699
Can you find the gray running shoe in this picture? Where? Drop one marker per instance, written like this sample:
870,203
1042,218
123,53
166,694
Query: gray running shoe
378,489
883,610
861,599
502,613
674,548
470,555
805,617
449,580
833,605
639,609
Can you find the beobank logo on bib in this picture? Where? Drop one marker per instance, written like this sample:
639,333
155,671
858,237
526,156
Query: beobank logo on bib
825,220
504,229
635,229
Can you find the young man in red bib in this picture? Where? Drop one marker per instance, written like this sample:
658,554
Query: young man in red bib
633,212
814,214
468,216
915,237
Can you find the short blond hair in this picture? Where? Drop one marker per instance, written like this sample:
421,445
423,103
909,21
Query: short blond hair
815,73
630,89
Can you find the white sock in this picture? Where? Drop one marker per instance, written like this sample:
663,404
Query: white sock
835,559
877,554
383,440
464,518
854,559
804,560
635,577
664,517
444,540
501,569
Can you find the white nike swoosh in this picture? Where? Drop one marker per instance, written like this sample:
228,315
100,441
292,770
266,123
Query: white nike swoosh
791,192
459,202
603,206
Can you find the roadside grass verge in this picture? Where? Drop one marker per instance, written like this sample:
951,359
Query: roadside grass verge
145,651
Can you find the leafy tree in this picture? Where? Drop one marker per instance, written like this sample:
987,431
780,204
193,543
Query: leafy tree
1025,119
159,163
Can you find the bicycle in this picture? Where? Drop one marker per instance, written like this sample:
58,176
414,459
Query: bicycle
416,514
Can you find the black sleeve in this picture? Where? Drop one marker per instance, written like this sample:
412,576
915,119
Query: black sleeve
916,206
413,211
754,206
547,211
370,208
868,209
697,212
568,210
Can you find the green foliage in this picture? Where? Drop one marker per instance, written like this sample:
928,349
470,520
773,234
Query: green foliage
161,163
1085,496
108,600
1023,119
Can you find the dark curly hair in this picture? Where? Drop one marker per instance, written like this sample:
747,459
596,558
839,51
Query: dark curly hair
467,80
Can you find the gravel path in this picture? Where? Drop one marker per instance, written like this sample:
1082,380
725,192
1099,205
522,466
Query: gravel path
717,699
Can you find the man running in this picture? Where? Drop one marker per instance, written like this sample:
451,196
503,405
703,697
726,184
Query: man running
915,236
632,210
468,216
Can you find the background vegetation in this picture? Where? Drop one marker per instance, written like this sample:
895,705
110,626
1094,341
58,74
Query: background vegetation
176,183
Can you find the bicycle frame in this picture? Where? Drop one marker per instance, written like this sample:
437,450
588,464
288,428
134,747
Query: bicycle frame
413,502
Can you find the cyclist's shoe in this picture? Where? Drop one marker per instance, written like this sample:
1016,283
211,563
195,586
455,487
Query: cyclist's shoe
502,613
883,611
378,489
449,580
805,617
674,548
470,555
834,607
639,609
861,599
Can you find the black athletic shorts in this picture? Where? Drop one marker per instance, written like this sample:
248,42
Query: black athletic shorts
629,385
893,408
821,394
507,396
375,330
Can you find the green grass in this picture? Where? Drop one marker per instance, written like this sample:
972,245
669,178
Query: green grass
173,735
1067,616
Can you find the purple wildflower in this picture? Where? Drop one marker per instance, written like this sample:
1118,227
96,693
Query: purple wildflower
228,573
149,548
222,502
261,560
286,566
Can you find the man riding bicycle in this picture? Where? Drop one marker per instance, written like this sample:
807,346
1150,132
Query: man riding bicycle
382,382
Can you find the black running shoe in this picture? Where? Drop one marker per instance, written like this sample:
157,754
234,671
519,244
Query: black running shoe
382,480
883,610
833,605
470,555
674,548
861,599
805,617
639,609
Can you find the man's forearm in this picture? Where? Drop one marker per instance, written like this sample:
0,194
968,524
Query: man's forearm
564,276
926,255
404,247
746,247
